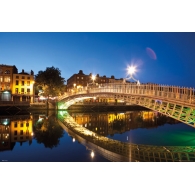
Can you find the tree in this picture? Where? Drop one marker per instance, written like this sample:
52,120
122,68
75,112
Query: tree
50,82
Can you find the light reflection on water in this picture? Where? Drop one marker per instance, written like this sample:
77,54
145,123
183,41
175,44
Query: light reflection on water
38,137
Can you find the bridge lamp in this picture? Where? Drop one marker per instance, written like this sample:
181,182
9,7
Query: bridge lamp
131,70
93,78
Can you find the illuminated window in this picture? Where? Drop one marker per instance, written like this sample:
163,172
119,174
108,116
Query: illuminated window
22,90
28,90
16,90
28,83
6,79
1,78
22,83
27,124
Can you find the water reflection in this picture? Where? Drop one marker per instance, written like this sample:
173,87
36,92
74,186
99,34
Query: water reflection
110,123
90,130
93,131
48,131
15,129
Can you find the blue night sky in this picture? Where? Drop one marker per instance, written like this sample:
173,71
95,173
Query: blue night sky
163,58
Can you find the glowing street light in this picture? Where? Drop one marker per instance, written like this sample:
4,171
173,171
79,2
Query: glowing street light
93,78
131,70
92,154
74,85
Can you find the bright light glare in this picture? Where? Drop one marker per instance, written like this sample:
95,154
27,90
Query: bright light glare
93,77
131,70
92,154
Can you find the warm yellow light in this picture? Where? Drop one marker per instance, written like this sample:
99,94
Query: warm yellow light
93,77
92,154
74,84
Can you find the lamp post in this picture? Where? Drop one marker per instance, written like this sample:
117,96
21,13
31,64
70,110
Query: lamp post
93,78
131,70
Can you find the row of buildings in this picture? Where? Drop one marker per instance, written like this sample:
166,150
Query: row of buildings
81,80
19,86
16,86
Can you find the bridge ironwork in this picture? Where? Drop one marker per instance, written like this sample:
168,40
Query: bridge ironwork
173,101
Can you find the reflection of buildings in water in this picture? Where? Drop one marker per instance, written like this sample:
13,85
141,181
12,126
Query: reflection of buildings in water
110,123
118,151
15,130
5,143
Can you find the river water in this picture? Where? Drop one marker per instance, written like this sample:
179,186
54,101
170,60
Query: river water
40,136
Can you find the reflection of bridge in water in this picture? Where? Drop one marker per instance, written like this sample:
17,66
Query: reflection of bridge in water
117,151
175,102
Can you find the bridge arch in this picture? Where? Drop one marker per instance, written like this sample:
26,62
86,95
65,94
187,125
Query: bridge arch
175,102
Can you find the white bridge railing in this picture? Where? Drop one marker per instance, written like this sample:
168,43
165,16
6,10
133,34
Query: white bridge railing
182,94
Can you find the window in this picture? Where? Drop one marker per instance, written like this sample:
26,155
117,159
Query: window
17,77
28,83
15,124
28,78
21,125
15,132
23,77
6,79
27,124
22,83
77,77
28,90
17,82
22,90
1,78
21,132
81,77
7,72
16,90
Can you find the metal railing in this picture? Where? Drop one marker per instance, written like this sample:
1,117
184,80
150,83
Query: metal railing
182,94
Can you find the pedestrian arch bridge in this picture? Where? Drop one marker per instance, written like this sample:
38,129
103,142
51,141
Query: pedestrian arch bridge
173,101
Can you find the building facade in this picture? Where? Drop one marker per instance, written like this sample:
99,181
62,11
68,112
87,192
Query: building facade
16,86
80,80
6,81
23,86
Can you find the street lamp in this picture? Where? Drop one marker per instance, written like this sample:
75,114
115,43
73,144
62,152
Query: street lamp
93,78
130,71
